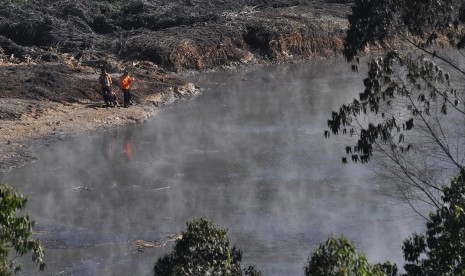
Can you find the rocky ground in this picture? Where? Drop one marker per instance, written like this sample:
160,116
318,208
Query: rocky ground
51,52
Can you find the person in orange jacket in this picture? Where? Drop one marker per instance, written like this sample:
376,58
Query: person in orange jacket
104,83
125,82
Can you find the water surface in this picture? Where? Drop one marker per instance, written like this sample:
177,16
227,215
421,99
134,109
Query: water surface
249,152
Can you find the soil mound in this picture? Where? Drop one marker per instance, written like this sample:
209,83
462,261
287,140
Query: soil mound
63,83
176,35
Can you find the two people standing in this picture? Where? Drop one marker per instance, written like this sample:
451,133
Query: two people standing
105,85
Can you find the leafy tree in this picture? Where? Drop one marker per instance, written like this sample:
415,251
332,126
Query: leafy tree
412,110
15,232
420,23
203,250
441,251
338,256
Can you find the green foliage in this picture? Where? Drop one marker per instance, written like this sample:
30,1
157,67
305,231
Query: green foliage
409,112
338,256
380,20
441,251
203,250
15,232
411,108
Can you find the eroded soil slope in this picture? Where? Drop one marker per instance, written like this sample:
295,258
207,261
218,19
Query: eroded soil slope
51,52
176,35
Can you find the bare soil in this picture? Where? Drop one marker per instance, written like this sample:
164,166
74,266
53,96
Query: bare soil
43,103
51,53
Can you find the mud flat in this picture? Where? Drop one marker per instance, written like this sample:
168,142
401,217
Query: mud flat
47,109
50,56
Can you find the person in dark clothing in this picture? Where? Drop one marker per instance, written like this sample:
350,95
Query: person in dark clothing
104,84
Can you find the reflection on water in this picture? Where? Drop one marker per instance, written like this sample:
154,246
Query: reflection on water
248,153
127,148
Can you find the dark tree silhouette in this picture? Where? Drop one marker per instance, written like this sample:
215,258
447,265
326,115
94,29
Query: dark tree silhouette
412,110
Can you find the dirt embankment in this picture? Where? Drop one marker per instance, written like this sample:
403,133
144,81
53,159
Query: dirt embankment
51,51
42,103
281,34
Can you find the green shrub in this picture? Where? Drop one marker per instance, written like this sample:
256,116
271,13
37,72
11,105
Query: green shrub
15,232
339,257
203,250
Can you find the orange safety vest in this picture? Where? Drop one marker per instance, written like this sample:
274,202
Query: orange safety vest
125,81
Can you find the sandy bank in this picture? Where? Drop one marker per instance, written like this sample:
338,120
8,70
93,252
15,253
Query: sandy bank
30,120
48,94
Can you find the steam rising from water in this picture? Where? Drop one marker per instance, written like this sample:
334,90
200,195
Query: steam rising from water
248,153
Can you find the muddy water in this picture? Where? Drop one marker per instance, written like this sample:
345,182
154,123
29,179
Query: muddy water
249,153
